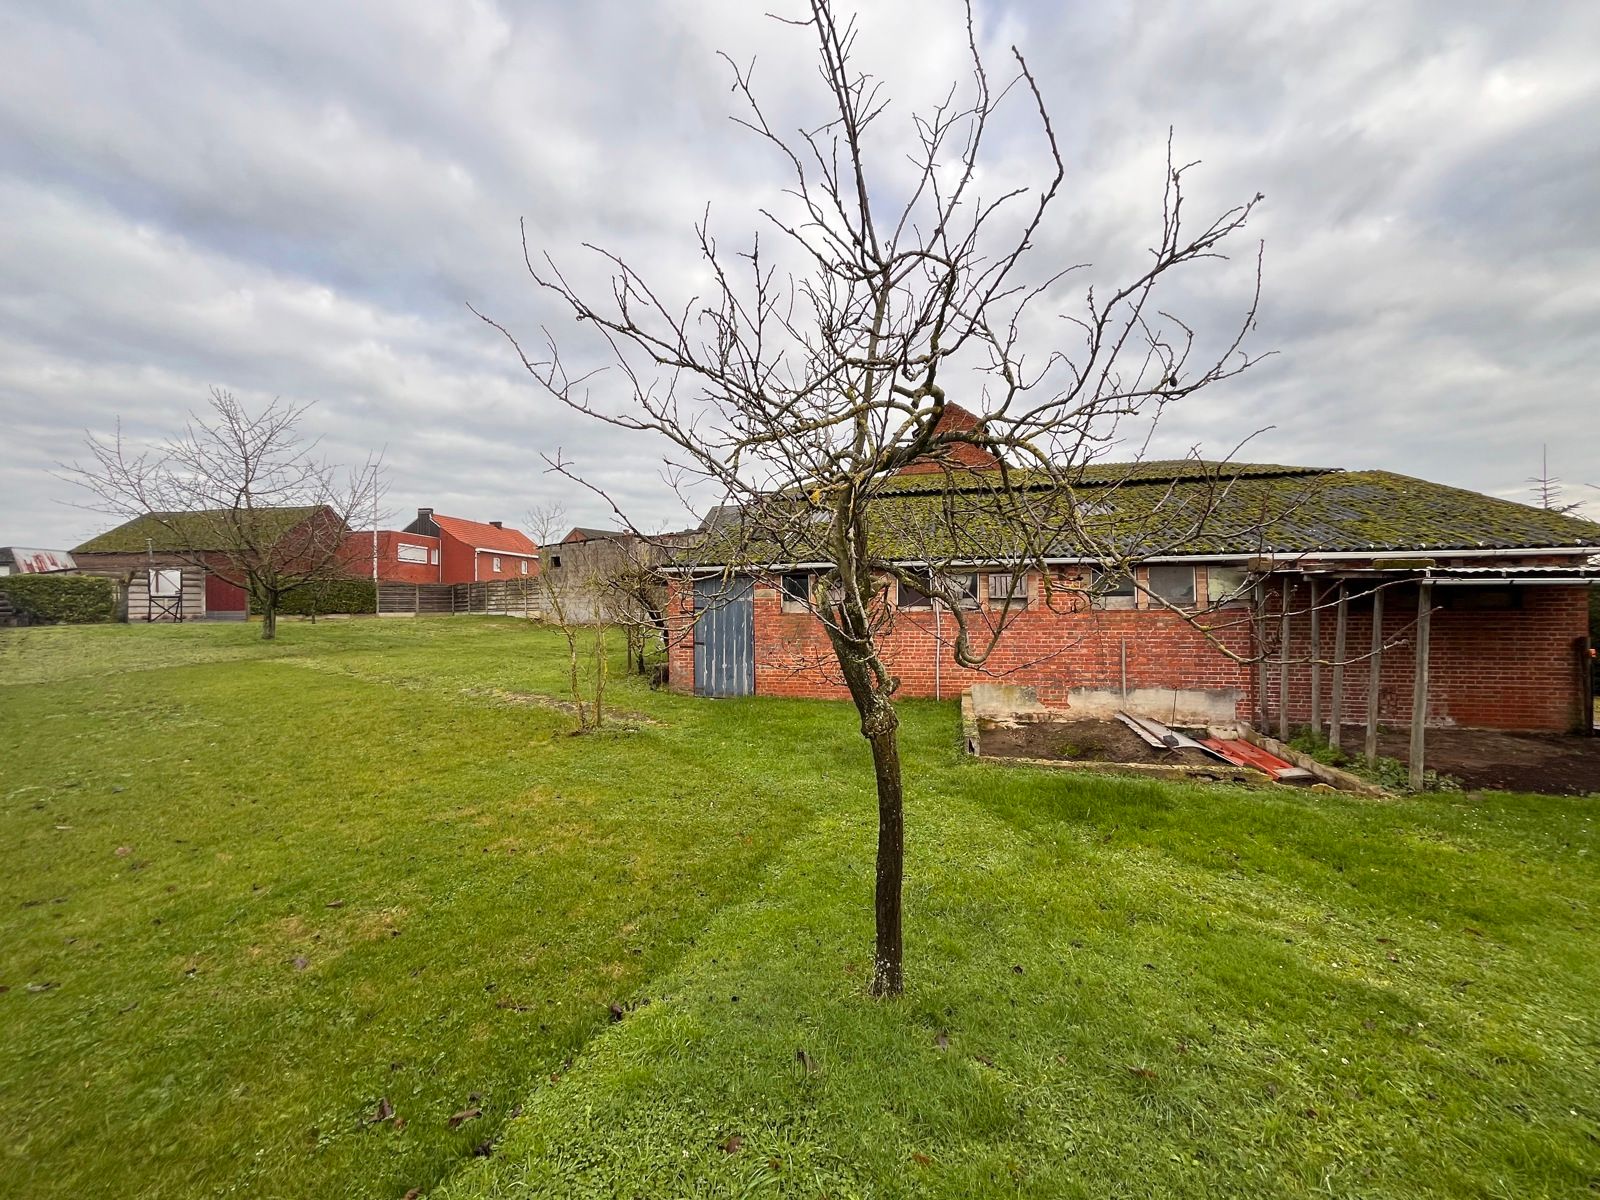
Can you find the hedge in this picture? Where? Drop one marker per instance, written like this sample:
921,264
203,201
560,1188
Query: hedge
62,599
329,596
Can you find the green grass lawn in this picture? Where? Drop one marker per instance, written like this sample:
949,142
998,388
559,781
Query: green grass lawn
252,892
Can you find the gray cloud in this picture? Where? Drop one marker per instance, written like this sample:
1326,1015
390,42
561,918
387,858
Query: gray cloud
300,200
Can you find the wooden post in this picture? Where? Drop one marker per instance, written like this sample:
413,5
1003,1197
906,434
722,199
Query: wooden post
1261,656
1341,628
1374,674
1283,663
1419,685
1316,660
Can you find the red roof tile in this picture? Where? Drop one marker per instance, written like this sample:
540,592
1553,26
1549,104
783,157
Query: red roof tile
483,536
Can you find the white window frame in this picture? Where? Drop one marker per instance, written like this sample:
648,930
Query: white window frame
161,577
494,563
407,552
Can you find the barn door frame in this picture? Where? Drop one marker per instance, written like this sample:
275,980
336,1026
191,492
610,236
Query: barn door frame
724,636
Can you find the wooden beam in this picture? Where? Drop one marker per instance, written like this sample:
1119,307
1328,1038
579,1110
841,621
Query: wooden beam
1419,685
1341,628
1261,656
1374,675
1316,659
1283,664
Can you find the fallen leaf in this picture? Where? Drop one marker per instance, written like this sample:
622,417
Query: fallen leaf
466,1114
732,1144
412,1194
984,1059
806,1061
1472,931
385,1111
616,1012
300,962
483,1149
921,1159
123,851
334,904
399,1124
942,1042
43,987
1142,1072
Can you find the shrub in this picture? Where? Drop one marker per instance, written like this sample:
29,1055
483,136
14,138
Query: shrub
62,599
330,596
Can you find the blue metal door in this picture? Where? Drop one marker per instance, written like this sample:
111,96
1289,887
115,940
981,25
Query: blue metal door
724,637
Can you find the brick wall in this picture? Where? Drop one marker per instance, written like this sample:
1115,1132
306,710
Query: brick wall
1511,669
1500,669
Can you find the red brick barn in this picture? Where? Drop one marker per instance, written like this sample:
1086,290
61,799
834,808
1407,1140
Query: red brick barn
1496,590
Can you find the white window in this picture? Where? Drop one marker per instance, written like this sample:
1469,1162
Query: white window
433,556
166,583
524,566
1007,589
1226,585
496,561
411,553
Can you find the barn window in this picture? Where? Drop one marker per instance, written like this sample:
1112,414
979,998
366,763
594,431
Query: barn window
411,553
555,562
1172,583
1113,589
1008,589
795,588
496,561
960,589
524,566
1226,585
166,583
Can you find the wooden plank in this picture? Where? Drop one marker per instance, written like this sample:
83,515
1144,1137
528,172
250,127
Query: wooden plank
1316,659
1261,653
1283,662
1374,675
1419,684
1341,629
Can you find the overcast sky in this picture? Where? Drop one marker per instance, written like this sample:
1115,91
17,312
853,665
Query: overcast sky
300,199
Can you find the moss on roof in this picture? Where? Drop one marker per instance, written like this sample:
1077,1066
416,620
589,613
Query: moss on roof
170,532
1243,509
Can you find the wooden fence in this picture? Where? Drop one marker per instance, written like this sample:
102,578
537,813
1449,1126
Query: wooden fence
503,597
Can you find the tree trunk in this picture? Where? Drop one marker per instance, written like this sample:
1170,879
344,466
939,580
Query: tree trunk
888,972
269,617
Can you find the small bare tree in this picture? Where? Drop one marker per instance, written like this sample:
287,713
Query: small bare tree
241,495
798,397
574,607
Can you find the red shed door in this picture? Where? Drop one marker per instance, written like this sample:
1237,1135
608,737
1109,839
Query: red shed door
225,600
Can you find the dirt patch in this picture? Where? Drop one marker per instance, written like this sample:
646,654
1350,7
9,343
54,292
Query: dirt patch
1083,741
1553,764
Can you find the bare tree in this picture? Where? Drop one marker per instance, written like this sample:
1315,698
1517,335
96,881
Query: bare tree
797,398
574,607
239,494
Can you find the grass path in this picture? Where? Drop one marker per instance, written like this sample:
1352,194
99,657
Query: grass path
1115,987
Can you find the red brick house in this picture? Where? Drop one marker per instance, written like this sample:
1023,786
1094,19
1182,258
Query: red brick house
475,551
1501,589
